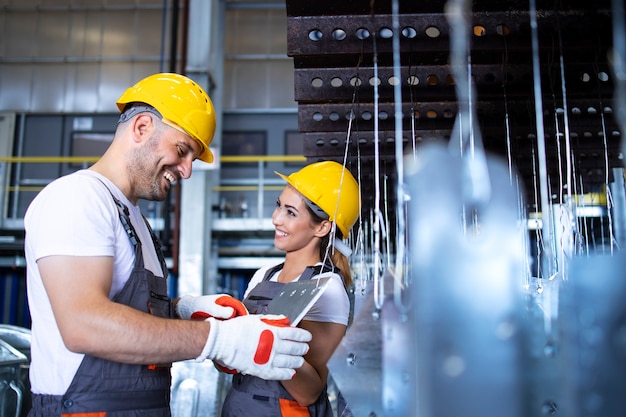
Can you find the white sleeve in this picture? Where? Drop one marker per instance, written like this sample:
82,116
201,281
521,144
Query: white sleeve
333,305
71,217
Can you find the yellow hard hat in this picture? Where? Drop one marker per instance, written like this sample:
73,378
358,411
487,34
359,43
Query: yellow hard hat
332,188
181,101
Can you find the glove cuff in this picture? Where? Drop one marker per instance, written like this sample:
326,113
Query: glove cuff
208,352
184,307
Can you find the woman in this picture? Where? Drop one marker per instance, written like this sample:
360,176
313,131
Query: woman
313,213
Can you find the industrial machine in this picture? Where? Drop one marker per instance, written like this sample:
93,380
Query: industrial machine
15,394
487,138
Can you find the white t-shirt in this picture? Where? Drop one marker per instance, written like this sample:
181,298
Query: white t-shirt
74,215
332,306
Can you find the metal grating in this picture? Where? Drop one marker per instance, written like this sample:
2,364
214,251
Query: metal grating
333,48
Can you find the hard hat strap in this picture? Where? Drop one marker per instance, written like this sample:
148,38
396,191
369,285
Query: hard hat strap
342,247
135,110
316,209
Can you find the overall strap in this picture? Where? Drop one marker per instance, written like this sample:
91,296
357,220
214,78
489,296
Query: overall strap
157,246
308,273
311,271
270,272
124,215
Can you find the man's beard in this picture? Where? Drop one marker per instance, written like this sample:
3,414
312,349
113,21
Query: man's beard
141,170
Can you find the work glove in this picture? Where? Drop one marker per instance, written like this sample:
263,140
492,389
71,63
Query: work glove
261,345
206,306
221,306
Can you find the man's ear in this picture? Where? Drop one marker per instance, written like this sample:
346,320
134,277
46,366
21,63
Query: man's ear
141,124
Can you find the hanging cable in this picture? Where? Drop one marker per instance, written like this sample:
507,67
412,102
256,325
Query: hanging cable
509,153
538,234
569,173
359,241
477,185
546,223
399,151
379,286
566,130
401,277
619,65
507,126
606,179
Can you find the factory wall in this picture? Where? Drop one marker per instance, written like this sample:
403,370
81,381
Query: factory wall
64,63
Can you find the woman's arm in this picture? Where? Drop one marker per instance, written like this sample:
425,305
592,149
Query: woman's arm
309,380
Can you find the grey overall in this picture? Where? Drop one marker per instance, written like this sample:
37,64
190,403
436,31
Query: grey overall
103,388
253,396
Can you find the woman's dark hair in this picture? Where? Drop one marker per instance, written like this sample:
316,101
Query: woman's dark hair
337,258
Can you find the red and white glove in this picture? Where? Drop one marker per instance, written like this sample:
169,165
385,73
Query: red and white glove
221,306
206,306
261,345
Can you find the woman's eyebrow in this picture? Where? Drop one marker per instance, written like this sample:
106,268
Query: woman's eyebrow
292,207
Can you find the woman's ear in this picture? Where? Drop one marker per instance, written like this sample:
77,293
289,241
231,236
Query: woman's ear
324,228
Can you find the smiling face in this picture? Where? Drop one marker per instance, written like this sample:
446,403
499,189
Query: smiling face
295,229
165,157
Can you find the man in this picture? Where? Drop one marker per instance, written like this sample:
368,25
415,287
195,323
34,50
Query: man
104,331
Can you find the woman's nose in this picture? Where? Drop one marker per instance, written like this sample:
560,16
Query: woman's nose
276,216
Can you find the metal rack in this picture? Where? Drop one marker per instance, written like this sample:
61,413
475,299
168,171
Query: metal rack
336,48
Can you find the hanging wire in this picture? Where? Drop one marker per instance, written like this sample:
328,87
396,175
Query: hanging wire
557,137
546,223
606,179
331,241
163,34
386,220
609,200
609,208
570,182
507,126
360,247
619,64
360,239
526,242
513,176
379,285
412,80
565,181
401,277
509,153
399,151
584,219
538,233
477,187
412,109
564,211
580,237
568,142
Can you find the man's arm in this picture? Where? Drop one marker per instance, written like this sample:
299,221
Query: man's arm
90,323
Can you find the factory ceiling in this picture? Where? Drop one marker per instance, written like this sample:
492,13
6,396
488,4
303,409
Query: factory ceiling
339,46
